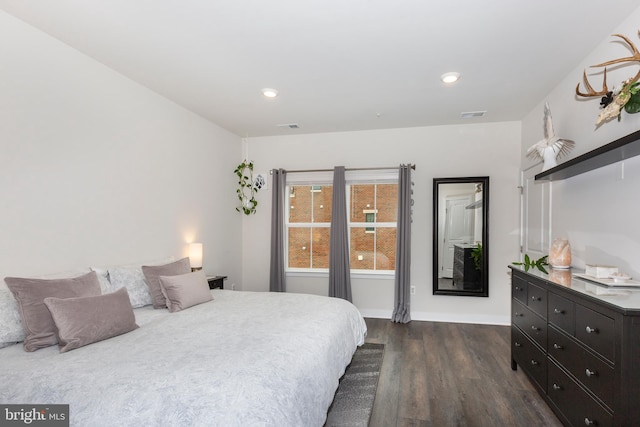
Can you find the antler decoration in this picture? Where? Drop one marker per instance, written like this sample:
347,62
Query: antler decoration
613,104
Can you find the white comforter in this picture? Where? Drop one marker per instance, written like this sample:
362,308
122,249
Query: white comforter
243,359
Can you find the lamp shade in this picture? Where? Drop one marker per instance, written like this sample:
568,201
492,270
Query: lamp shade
195,255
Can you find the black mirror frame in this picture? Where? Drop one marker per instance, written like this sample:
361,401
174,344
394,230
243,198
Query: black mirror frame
484,291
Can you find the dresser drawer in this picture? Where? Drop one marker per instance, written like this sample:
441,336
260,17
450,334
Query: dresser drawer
595,330
530,358
561,313
519,288
575,403
592,372
537,299
533,325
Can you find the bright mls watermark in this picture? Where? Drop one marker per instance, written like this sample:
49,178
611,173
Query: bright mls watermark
34,415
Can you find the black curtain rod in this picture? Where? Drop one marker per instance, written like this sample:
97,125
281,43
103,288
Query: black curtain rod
413,166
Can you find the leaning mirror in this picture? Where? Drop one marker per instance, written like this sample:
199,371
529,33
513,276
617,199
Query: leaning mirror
461,236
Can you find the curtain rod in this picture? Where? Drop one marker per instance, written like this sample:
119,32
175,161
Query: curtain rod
413,166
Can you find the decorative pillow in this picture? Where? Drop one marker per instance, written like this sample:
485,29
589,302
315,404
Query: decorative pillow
30,294
132,279
153,272
103,278
103,272
11,330
85,320
185,290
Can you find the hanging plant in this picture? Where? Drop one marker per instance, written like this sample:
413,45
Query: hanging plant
246,191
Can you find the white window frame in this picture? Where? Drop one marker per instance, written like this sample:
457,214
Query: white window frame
326,179
312,179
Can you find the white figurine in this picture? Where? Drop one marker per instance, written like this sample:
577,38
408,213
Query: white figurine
551,147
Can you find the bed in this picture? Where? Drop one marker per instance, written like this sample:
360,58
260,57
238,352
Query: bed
242,359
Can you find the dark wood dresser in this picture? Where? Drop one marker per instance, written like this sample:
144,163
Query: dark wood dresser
579,343
465,274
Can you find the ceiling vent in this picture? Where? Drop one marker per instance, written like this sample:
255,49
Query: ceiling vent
290,126
472,114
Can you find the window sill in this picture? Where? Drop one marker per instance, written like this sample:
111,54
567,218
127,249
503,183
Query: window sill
354,275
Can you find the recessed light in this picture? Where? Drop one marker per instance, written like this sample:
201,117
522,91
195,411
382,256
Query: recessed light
450,78
269,93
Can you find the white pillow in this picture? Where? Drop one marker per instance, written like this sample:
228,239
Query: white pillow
103,278
107,286
132,279
11,330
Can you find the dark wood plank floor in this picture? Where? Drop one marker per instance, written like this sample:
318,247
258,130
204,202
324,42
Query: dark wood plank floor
451,374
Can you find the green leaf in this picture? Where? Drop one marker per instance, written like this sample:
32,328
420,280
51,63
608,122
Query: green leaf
633,105
527,260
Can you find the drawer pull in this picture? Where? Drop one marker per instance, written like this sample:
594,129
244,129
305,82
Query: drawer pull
517,344
556,387
534,328
590,373
535,298
588,422
557,311
516,314
534,363
591,330
557,346
518,288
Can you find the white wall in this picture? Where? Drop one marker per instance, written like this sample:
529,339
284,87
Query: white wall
439,151
98,170
596,211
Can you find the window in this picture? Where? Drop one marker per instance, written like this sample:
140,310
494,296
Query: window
372,222
372,218
308,226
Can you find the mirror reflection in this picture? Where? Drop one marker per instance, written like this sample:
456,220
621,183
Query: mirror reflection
460,236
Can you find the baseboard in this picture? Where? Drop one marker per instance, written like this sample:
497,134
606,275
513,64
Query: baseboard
481,319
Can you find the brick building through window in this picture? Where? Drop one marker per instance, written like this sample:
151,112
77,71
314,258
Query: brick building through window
372,220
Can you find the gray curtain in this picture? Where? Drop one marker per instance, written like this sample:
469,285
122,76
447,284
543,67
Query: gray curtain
277,281
402,299
339,266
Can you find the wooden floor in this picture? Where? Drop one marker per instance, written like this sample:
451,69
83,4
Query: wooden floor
449,374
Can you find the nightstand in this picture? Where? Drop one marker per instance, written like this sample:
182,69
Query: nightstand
216,281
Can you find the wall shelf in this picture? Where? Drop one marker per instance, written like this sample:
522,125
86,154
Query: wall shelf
618,150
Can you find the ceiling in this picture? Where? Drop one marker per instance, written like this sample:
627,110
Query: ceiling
339,65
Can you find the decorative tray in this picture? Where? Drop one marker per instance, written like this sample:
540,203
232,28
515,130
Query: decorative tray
609,282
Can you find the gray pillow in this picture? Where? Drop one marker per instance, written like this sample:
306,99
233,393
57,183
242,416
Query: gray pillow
38,325
153,272
185,290
85,320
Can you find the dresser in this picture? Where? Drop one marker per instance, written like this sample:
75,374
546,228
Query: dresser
579,343
465,274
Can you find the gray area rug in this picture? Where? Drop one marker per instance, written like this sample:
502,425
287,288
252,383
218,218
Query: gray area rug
353,402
